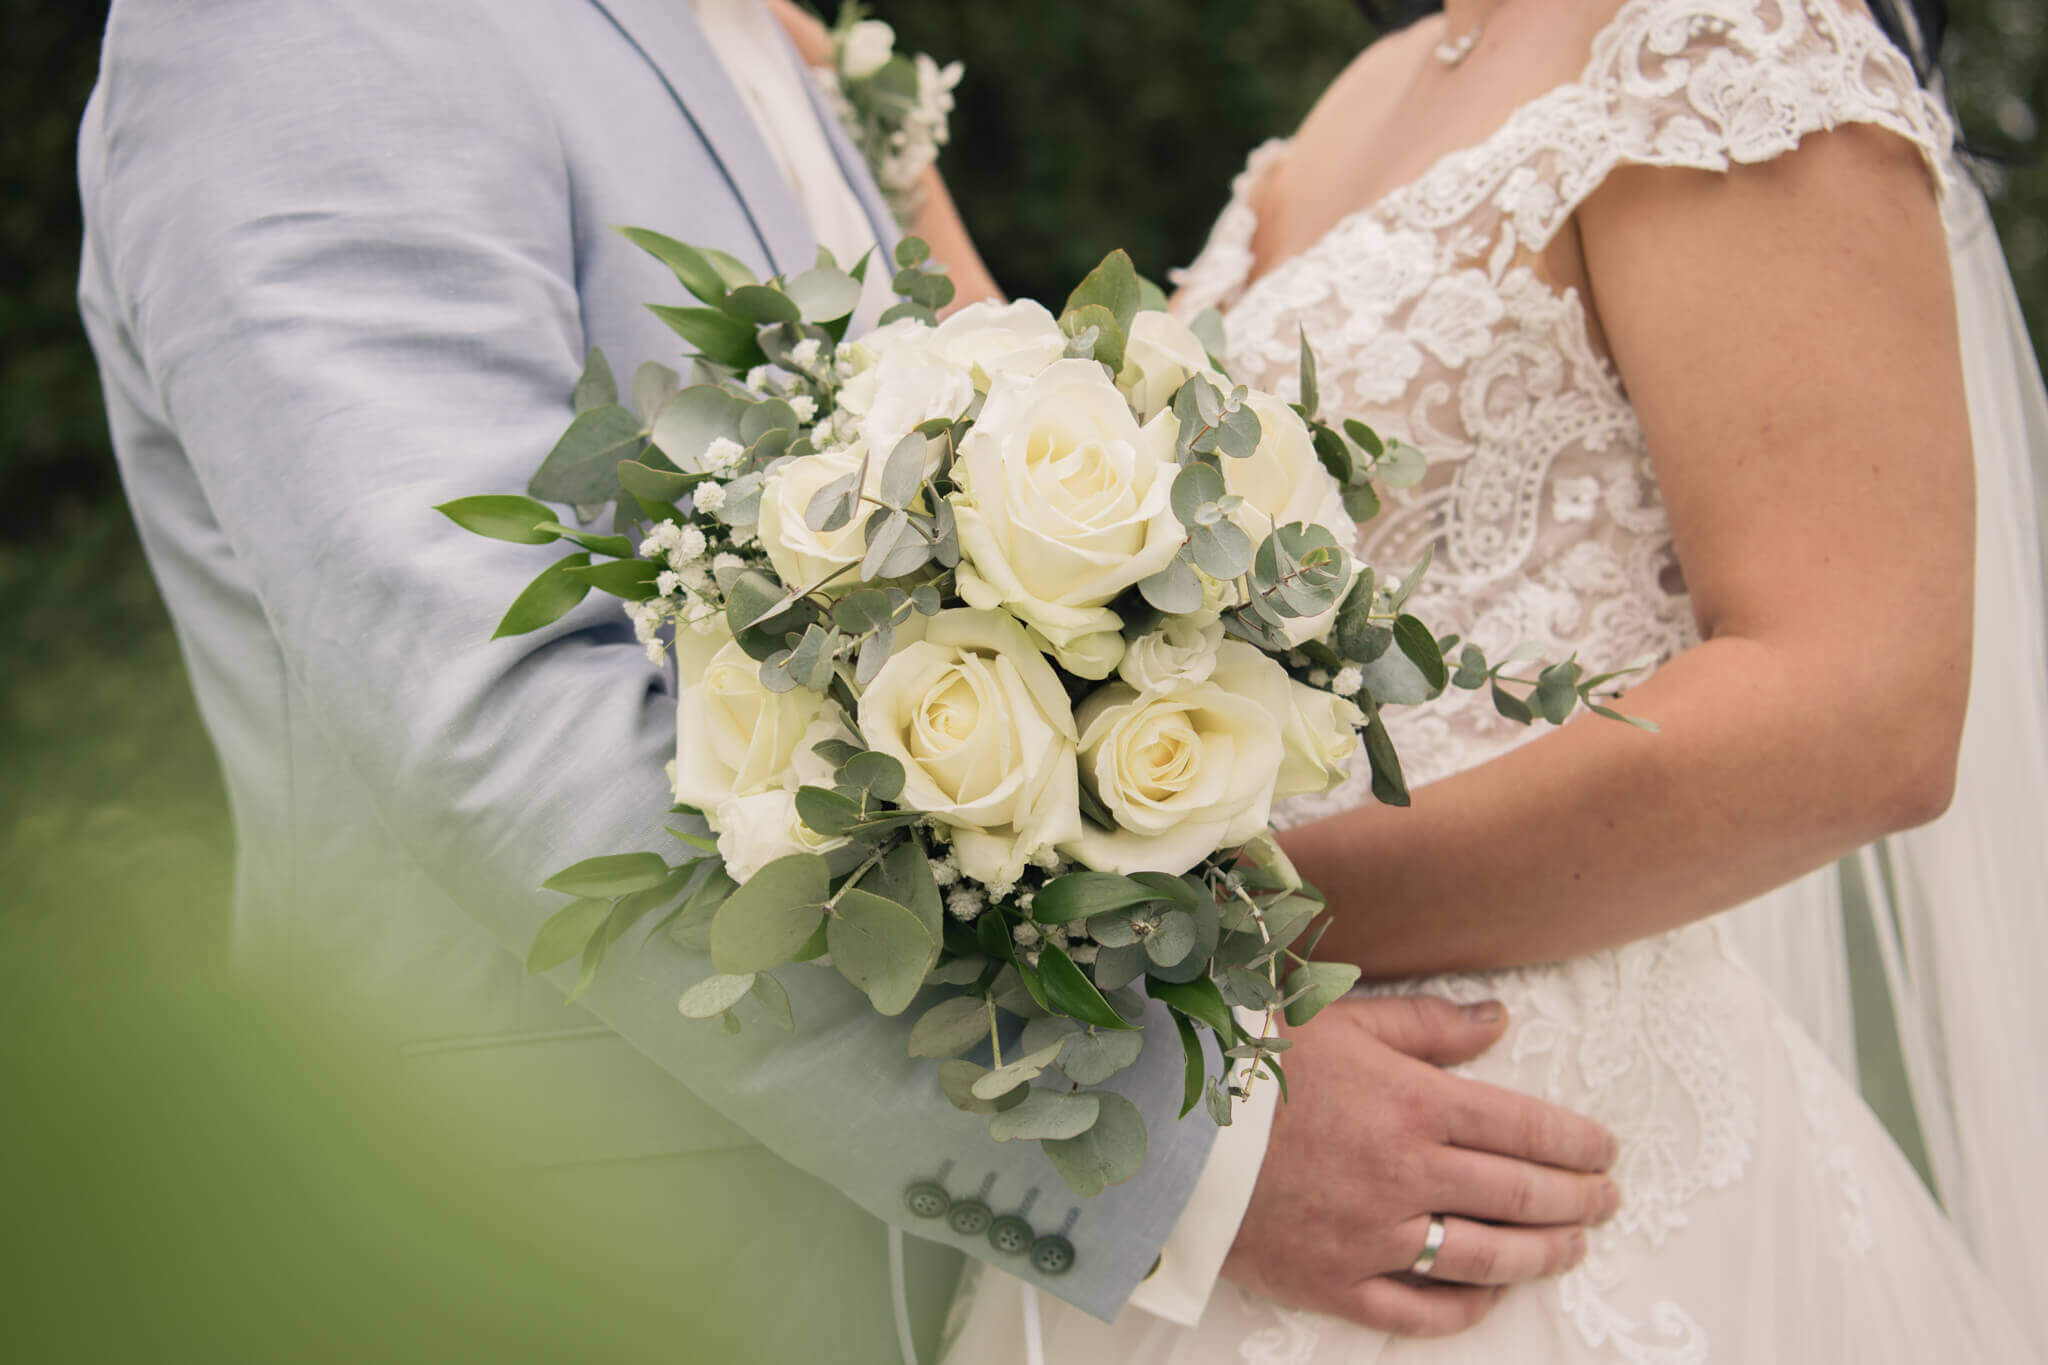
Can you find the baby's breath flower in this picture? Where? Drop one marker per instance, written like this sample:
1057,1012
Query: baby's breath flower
690,547
709,497
1026,934
965,903
668,583
805,406
723,454
804,355
1349,680
1319,677
944,872
726,562
1083,953
758,377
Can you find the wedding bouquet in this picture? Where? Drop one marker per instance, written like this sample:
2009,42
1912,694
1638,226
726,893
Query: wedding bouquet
897,108
997,640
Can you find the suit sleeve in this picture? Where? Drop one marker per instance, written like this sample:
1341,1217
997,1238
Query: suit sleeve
341,235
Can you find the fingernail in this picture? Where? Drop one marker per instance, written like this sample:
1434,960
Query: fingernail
1610,1201
1488,1012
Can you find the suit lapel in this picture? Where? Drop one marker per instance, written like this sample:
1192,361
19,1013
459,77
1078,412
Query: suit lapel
854,167
666,33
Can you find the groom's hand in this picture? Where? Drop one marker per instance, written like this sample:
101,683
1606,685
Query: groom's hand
1376,1138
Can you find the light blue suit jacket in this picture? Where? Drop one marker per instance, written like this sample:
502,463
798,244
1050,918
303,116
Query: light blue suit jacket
343,261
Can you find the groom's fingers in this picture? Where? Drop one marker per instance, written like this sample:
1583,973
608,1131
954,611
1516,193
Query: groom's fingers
1487,1118
1480,1254
1411,1310
1502,1190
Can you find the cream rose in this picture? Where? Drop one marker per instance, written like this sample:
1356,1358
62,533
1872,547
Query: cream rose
1161,354
1064,502
1181,653
1183,773
869,45
756,829
1318,729
991,339
803,556
1284,482
733,736
903,378
983,730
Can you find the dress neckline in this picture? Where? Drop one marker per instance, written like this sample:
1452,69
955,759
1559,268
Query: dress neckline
1472,150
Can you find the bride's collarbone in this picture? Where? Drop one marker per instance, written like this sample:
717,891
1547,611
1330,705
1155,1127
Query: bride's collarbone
1397,111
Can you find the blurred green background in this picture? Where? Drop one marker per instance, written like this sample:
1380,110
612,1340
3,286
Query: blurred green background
1081,126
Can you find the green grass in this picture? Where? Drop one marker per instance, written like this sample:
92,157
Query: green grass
114,832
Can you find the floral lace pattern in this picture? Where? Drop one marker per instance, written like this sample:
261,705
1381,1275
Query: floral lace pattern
1433,321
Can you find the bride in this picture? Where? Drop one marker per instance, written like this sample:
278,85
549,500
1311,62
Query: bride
1663,290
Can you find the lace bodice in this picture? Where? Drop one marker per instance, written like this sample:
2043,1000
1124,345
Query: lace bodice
1433,322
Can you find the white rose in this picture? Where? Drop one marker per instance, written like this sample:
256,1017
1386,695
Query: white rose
733,736
1161,354
869,45
803,556
1064,502
991,339
756,829
1183,773
983,730
1181,653
903,378
1318,729
1284,482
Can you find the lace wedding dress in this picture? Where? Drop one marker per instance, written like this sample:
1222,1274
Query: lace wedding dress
1766,1216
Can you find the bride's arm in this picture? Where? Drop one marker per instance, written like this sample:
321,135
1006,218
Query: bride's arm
1787,336
938,220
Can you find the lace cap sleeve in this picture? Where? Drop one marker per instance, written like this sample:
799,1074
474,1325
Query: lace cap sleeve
1710,84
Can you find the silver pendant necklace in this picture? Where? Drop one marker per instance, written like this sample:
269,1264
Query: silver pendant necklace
1452,51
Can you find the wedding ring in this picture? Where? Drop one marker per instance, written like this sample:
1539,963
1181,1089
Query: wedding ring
1431,1245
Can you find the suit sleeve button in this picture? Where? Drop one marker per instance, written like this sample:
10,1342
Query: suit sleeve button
1052,1255
1010,1235
927,1199
970,1218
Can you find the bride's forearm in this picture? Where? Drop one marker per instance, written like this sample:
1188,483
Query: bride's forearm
1599,834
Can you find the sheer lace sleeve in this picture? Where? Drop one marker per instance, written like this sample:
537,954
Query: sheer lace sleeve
1711,84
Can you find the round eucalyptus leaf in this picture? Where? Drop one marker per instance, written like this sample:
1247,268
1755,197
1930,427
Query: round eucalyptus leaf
881,947
773,999
1195,486
689,422
1001,1081
1315,986
1092,1056
957,1078
765,923
1220,549
824,294
1109,1153
1040,1033
1046,1115
714,995
760,304
1173,939
1116,967
1174,590
950,1027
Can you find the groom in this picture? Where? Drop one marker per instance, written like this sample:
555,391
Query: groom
344,259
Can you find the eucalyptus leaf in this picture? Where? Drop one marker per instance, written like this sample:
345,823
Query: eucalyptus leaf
1174,590
950,1027
1115,967
653,385
773,1000
903,471
1196,486
1109,1153
1092,1056
695,417
1207,326
596,387
1046,1115
881,947
714,995
1110,338
1173,940
1020,1071
583,466
1315,986
764,922
760,304
957,1078
825,294
1220,550
1401,466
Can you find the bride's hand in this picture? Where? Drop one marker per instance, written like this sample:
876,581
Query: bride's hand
1377,1137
